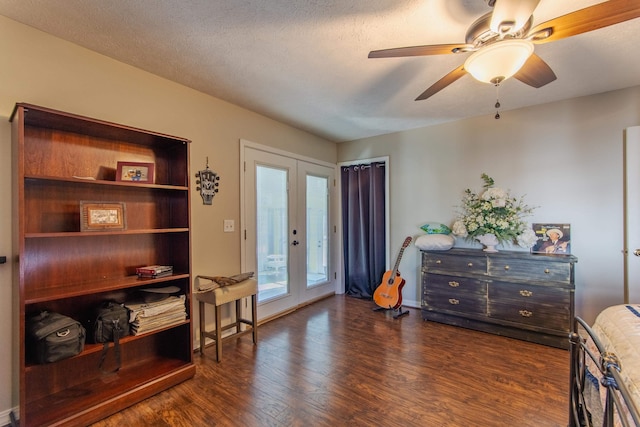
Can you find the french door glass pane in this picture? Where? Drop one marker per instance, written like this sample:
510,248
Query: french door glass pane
317,219
272,232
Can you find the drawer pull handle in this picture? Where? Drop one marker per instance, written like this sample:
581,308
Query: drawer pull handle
438,262
454,284
454,301
546,271
470,264
525,313
526,293
506,267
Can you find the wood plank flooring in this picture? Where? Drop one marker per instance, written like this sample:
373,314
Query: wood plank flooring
337,362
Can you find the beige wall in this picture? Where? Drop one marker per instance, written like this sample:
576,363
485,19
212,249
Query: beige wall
565,157
43,70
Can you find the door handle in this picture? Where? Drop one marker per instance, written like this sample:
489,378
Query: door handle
636,252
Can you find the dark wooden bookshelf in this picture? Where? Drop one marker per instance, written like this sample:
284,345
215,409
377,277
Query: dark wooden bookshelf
60,161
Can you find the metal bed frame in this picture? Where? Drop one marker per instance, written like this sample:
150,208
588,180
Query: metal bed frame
617,395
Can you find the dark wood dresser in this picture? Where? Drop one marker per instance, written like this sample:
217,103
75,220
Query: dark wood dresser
515,294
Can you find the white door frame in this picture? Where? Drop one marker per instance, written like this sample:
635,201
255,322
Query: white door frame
632,214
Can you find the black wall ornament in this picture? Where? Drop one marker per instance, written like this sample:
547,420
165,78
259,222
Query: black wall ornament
208,182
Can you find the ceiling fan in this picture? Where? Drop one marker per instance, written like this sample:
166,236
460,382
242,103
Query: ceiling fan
502,41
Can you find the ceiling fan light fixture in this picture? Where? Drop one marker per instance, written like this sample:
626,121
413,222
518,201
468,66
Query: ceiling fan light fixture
498,61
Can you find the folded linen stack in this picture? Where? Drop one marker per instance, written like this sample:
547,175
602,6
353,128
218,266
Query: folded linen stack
149,316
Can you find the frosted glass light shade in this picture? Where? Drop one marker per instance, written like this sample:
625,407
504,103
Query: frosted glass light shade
498,61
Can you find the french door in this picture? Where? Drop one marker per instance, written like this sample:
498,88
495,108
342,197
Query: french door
287,213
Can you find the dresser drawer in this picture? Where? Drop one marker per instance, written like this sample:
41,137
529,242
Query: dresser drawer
537,306
526,294
452,285
457,294
535,316
462,303
534,269
446,263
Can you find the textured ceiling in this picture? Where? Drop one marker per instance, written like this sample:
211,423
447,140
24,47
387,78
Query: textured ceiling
304,62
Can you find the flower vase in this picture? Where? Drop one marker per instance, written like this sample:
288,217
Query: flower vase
489,241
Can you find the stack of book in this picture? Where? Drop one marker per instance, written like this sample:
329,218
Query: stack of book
149,316
154,271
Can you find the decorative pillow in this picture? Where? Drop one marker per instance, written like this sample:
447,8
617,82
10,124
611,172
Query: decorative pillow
435,242
436,228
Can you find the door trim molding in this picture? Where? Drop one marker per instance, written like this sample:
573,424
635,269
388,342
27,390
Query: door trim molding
249,144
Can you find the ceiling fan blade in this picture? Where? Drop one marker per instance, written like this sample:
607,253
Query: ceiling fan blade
588,19
535,72
443,82
509,16
435,49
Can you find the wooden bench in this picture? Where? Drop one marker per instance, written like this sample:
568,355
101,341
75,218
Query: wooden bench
223,295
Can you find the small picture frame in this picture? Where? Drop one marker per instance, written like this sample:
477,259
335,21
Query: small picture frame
553,239
98,216
135,172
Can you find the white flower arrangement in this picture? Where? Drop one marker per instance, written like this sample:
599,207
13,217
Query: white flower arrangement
495,212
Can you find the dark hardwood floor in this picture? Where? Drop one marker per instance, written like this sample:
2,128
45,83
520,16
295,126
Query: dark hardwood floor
337,362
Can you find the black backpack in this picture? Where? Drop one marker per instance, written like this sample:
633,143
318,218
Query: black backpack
111,323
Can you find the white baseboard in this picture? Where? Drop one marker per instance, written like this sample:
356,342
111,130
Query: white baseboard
5,416
411,304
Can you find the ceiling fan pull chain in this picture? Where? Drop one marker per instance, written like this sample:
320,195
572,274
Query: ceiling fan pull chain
497,116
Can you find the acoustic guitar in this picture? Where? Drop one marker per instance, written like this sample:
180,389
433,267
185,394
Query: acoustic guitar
389,293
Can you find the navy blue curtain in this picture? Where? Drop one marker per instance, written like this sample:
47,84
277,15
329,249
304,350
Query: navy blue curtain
363,219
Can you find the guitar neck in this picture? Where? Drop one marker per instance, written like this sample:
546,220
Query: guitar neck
397,264
394,272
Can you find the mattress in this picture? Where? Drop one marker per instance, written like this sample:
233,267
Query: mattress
618,329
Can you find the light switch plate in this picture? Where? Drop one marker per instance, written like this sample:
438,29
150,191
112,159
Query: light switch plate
229,225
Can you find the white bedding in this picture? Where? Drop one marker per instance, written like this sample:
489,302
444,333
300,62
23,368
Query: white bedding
618,329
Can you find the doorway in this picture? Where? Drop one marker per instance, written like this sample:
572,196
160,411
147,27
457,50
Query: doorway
365,224
286,218
632,213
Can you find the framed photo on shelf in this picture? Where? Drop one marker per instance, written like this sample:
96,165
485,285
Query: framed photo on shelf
552,239
95,216
135,172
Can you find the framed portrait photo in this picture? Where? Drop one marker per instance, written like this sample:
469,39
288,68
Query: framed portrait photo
135,172
553,239
96,216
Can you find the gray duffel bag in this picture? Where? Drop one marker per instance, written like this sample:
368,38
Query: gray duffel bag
52,337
